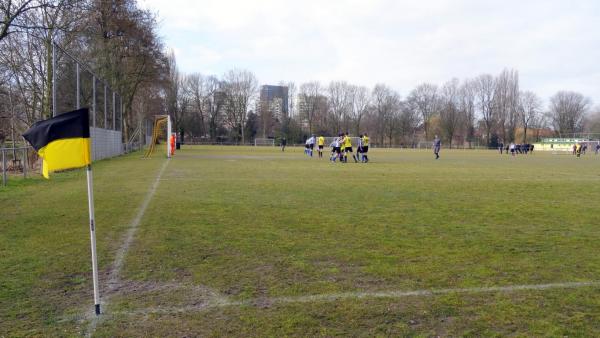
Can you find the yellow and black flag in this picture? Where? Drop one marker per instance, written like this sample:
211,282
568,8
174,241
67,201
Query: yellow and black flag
63,142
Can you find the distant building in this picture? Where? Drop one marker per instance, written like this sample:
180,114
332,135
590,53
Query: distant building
275,98
272,108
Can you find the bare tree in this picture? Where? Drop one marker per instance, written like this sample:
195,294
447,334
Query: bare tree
529,110
506,102
340,104
467,107
12,14
360,101
450,115
27,53
240,87
567,110
198,90
409,122
216,101
175,97
424,99
393,119
127,50
485,88
309,100
592,122
385,108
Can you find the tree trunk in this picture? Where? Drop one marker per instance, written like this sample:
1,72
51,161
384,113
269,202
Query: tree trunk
243,126
47,100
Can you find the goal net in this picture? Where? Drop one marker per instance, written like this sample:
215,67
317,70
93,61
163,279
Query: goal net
162,130
264,142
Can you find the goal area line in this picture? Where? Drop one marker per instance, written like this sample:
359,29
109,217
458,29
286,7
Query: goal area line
220,301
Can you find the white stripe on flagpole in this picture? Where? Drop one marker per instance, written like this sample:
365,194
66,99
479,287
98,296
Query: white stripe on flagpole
90,186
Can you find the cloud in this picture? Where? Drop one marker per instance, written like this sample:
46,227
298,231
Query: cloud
553,44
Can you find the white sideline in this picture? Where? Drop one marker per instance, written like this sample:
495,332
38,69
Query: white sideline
117,265
219,303
113,278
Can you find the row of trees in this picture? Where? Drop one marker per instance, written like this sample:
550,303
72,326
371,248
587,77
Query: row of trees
487,109
117,39
210,107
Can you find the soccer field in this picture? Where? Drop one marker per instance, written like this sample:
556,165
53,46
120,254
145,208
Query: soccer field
247,241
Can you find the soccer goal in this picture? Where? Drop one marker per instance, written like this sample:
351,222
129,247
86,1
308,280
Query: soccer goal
159,131
269,142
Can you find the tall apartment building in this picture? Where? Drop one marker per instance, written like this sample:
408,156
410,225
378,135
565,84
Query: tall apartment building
272,108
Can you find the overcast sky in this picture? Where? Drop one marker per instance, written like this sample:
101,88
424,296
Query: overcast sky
555,45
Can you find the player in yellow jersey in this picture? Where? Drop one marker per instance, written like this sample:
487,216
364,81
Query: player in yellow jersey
321,144
365,148
348,148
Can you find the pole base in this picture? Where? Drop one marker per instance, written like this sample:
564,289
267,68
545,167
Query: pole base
97,309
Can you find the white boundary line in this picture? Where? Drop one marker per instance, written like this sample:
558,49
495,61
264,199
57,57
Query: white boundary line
221,302
114,276
115,271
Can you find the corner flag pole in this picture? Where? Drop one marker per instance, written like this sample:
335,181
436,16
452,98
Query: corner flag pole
90,187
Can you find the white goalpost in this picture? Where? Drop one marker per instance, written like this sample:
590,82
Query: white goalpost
160,122
266,142
169,132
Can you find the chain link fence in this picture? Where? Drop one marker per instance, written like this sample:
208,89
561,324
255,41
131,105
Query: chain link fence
76,86
18,161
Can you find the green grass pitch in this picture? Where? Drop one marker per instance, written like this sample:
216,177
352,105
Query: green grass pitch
250,241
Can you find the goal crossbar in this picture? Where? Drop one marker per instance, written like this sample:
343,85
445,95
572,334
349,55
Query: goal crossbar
264,142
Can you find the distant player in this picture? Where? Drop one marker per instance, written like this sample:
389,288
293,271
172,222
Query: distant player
320,145
578,149
365,148
437,145
283,144
335,149
309,146
172,143
348,148
359,147
597,148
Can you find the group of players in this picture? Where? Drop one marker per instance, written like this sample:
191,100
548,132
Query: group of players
340,148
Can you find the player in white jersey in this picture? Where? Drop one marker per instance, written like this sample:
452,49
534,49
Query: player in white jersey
335,149
309,146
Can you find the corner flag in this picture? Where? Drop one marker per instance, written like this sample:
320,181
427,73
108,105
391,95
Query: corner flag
63,142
